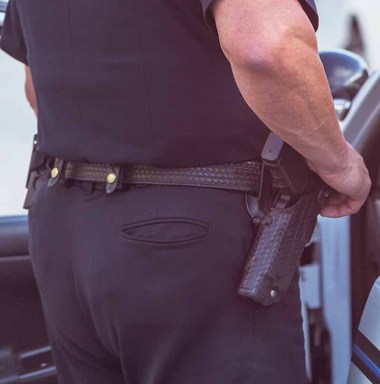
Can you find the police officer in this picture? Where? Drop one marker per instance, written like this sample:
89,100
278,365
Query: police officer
138,285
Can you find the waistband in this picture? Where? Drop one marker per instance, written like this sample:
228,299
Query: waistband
244,176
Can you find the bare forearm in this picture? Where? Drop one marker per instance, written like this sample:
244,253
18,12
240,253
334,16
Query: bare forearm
292,98
280,76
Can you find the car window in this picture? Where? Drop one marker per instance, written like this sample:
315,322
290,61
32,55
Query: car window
17,127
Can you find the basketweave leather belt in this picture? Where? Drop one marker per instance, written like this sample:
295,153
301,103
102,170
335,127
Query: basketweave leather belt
244,176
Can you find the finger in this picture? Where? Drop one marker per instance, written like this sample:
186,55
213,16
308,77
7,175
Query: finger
345,208
340,199
332,204
335,199
334,212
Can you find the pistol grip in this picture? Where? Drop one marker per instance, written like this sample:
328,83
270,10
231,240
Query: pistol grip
277,250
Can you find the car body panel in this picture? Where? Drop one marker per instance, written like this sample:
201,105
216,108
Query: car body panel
370,328
336,288
335,243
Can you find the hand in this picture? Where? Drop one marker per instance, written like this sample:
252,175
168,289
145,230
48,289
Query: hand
351,183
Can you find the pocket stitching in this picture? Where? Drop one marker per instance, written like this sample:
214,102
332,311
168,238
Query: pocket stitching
138,224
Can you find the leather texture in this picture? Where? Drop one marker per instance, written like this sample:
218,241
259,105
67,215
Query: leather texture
243,177
276,252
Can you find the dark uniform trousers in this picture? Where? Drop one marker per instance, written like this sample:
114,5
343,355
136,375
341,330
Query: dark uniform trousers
139,287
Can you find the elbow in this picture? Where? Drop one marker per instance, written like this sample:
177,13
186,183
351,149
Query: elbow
271,51
257,58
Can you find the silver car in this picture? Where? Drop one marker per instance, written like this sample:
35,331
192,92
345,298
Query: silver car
342,261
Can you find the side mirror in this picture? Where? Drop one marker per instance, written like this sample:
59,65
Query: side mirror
346,73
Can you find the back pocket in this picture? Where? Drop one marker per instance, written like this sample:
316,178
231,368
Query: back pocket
166,230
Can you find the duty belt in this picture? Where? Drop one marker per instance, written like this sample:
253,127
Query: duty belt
244,176
283,198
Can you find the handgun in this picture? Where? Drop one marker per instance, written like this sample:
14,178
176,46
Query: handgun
285,212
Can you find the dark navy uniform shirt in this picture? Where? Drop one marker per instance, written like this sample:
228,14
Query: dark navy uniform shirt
133,81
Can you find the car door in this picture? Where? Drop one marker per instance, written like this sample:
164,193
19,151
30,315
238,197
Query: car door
342,260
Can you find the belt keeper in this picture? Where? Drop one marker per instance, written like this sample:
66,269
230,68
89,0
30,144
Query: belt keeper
31,189
57,172
113,179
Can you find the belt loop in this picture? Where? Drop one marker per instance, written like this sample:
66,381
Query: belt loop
56,172
113,179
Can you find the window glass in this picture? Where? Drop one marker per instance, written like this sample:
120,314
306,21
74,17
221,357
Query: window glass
17,127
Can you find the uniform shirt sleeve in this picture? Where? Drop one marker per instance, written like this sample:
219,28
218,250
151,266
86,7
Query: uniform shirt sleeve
311,10
12,39
308,6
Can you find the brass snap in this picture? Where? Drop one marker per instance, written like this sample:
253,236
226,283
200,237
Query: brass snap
111,178
54,172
